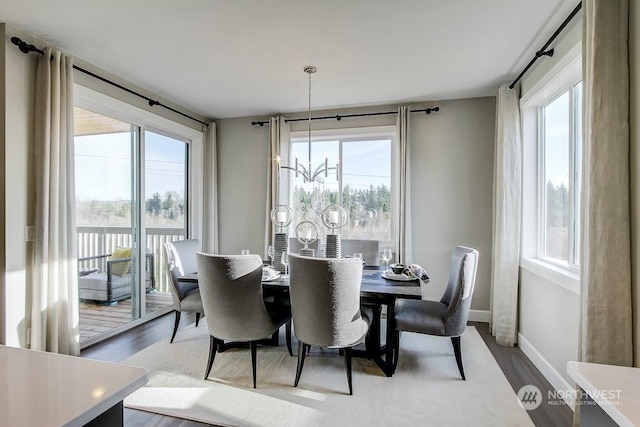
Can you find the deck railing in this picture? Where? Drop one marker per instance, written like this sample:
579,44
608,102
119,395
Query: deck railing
93,241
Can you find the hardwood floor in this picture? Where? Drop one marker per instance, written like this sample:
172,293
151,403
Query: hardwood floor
516,366
129,343
520,371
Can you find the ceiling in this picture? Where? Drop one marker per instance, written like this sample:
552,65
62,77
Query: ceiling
242,58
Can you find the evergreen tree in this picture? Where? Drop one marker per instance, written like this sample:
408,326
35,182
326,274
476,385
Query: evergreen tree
154,205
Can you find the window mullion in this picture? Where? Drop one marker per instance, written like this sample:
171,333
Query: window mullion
571,165
542,187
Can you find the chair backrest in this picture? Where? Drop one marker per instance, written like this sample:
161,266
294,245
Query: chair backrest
459,292
370,250
231,292
181,260
325,301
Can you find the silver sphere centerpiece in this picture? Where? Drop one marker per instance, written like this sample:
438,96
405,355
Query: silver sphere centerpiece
281,216
307,233
334,217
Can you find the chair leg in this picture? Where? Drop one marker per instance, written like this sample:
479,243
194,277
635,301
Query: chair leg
197,319
254,353
302,352
213,345
456,350
287,327
175,326
347,365
396,349
275,337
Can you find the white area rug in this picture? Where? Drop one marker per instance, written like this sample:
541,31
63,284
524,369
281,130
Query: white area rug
425,390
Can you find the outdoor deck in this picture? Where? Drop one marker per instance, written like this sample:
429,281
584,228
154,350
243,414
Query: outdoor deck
98,318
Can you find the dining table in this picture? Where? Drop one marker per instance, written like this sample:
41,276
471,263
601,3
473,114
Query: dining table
376,292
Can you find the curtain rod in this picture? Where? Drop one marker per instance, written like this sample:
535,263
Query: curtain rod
342,116
543,52
27,48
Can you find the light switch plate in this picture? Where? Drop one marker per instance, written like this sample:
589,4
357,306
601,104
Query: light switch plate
30,233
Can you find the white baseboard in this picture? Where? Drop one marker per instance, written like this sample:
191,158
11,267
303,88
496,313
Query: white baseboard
550,373
483,316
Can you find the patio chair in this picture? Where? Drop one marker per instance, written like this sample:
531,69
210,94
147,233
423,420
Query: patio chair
108,278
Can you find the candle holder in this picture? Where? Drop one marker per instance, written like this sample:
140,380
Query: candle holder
307,233
281,218
334,217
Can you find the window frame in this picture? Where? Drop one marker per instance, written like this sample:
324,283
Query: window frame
351,135
565,71
574,173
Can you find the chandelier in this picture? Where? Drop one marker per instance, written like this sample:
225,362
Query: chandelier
300,168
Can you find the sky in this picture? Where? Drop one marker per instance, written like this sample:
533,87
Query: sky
103,166
556,128
363,163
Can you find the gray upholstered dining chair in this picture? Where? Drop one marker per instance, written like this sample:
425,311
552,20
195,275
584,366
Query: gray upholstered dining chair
181,260
370,250
231,289
447,317
325,306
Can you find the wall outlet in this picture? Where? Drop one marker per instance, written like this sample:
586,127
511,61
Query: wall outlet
30,233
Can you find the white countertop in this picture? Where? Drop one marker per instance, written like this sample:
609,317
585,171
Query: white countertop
47,389
615,388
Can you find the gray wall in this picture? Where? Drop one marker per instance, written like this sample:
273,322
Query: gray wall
451,172
18,188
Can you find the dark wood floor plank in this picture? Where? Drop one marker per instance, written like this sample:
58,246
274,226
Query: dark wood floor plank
520,371
129,343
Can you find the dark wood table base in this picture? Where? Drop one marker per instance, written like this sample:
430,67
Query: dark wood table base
383,355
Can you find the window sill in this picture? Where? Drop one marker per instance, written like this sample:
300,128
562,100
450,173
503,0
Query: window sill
562,277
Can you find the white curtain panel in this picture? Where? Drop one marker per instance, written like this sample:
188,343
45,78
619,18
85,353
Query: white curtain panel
210,196
279,135
54,297
507,212
403,162
606,315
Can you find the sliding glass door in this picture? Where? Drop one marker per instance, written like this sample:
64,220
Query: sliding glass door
165,208
131,187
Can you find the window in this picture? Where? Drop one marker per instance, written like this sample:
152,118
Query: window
559,185
362,184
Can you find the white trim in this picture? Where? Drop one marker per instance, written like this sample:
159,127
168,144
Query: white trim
483,316
563,277
567,71
351,132
549,372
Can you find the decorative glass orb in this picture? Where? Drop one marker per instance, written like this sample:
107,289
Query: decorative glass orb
281,216
306,233
334,217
